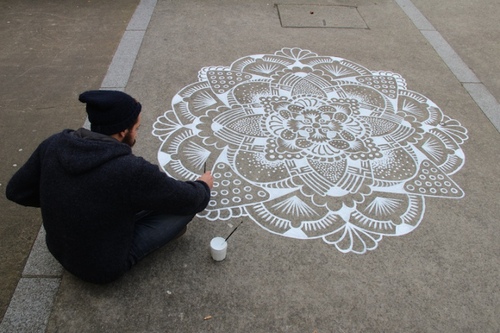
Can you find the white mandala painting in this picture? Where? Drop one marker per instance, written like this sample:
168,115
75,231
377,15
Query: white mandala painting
313,147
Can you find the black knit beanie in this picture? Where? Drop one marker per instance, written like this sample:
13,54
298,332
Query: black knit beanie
110,111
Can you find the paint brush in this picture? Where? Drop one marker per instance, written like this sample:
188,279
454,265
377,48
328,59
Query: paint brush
204,167
225,240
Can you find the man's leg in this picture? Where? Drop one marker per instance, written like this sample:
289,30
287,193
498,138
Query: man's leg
153,230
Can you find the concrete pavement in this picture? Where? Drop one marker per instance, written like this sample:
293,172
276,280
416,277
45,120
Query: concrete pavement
442,276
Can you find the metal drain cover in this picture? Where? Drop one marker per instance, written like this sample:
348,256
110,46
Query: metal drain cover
320,16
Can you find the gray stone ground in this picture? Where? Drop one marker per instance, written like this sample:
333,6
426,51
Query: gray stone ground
442,277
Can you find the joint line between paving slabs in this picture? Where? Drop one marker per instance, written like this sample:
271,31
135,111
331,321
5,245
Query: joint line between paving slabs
471,83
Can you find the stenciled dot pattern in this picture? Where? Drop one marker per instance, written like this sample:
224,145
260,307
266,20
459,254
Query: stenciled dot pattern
230,190
385,84
258,168
432,181
223,81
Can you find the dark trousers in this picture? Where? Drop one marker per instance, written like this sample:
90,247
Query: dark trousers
153,230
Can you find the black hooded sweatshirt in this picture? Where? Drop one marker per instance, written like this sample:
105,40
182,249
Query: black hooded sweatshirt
89,187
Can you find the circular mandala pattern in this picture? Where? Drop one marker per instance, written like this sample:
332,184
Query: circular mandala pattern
313,147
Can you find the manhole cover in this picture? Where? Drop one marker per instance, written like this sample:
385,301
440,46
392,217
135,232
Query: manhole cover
320,16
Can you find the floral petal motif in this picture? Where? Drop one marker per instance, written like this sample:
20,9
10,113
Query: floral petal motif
313,147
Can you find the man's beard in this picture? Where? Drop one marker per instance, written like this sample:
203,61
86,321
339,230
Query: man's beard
129,140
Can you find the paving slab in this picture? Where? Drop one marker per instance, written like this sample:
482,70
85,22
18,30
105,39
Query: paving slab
471,28
467,28
285,275
27,313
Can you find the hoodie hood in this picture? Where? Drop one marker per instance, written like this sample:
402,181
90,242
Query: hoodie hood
81,151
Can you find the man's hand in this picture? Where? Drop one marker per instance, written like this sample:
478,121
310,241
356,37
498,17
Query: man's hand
207,178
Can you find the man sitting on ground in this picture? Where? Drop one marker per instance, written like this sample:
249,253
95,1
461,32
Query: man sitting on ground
103,208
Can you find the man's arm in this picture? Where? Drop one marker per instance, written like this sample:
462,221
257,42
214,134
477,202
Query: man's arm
207,178
154,190
24,186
